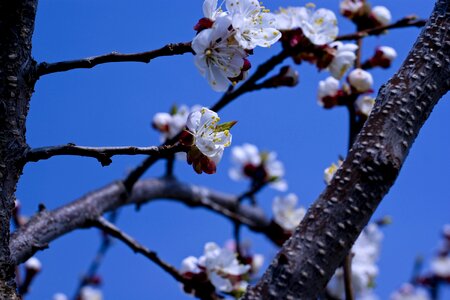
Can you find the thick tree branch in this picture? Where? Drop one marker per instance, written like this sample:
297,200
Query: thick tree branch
102,154
90,62
112,230
47,226
309,258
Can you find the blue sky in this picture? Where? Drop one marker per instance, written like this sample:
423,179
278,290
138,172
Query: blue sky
113,105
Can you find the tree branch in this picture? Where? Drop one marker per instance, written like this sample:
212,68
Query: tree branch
102,154
410,21
47,226
309,258
112,230
90,62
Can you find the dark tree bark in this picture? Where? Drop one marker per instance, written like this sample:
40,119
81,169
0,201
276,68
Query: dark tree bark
309,258
16,86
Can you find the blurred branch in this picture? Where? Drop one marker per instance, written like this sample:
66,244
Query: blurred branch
47,226
410,21
90,62
102,154
112,230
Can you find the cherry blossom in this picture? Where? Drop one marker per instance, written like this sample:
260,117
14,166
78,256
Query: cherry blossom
440,266
290,17
171,124
90,293
350,8
327,92
60,296
409,292
218,56
364,105
285,212
249,162
319,26
329,172
253,25
33,264
360,80
344,58
207,139
381,15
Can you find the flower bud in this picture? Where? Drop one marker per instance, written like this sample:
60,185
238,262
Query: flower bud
360,80
60,296
328,92
364,105
351,8
381,15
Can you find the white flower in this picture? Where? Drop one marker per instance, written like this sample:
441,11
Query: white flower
360,80
210,141
285,213
320,26
364,269
349,8
90,293
220,264
257,263
253,27
211,11
249,162
60,296
440,266
190,265
33,264
329,172
344,58
387,53
364,105
172,124
290,17
409,292
327,88
217,54
381,14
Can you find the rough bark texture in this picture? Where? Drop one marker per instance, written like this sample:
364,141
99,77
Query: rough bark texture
47,226
309,258
16,87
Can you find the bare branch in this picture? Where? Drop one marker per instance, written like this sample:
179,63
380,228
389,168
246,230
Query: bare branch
90,62
309,258
113,231
410,21
47,226
102,154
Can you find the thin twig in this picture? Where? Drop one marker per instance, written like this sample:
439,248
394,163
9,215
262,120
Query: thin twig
90,62
410,21
115,232
348,277
102,154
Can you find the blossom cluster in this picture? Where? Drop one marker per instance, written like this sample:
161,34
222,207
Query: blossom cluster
221,268
365,251
225,38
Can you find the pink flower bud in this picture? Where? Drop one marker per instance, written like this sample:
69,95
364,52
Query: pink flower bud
360,80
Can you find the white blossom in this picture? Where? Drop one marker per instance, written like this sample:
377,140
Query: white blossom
320,26
365,252
344,58
60,296
350,7
220,264
329,172
172,124
387,53
207,138
290,17
190,265
253,25
381,14
440,266
360,80
364,105
33,264
217,54
257,263
211,11
409,292
249,162
90,293
327,88
285,212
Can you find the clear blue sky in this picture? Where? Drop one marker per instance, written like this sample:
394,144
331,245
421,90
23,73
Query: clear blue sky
114,104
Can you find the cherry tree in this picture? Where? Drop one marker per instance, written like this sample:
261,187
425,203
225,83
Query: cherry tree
328,250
